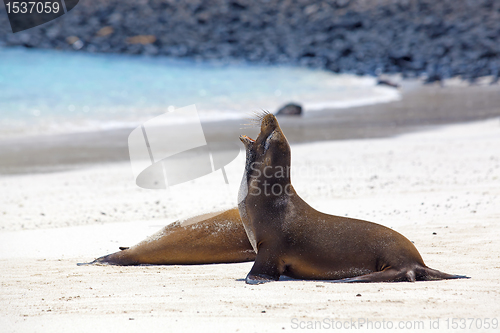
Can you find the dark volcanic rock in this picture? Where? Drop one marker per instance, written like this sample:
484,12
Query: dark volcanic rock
437,38
386,82
290,109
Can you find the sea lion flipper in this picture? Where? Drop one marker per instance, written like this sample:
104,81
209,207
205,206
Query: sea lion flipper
387,275
405,274
258,279
430,274
123,258
265,269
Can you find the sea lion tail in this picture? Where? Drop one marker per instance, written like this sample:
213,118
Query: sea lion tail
429,274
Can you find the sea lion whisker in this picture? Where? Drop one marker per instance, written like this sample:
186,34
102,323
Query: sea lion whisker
252,119
255,117
251,123
259,115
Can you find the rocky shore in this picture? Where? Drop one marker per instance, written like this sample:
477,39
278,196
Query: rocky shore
436,39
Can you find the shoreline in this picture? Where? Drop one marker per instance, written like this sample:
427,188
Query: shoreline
421,107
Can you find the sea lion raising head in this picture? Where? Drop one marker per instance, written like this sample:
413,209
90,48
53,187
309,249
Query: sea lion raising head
291,238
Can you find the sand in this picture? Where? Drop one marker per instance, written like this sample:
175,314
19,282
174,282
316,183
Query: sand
440,188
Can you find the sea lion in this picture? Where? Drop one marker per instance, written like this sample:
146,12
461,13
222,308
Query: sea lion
291,238
205,239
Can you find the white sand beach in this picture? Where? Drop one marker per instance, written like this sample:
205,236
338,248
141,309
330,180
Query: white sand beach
440,188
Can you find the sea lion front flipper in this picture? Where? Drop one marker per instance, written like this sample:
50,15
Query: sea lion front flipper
265,269
258,279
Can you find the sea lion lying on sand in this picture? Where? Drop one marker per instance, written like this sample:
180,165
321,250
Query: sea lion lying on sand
204,239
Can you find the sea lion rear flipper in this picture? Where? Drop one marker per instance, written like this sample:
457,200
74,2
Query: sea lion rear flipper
265,269
430,274
122,258
411,275
387,275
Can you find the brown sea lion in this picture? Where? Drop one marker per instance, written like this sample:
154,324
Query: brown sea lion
291,238
204,239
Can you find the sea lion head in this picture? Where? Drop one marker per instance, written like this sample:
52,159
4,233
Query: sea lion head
270,146
268,156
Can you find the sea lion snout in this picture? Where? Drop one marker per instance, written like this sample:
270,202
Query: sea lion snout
268,125
270,146
247,141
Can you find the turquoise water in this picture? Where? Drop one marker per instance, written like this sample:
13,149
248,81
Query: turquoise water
45,91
